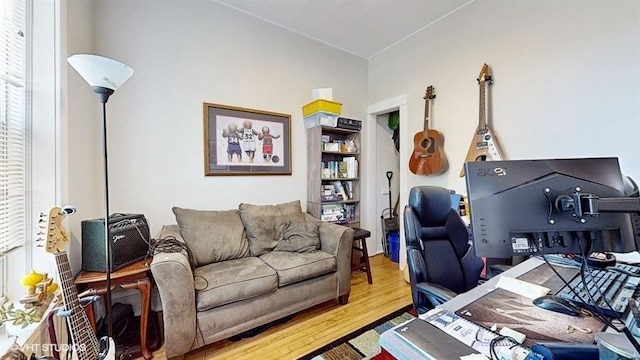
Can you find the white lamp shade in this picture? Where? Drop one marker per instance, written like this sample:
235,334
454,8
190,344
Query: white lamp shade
100,71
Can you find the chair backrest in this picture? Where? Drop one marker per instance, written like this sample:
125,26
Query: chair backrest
438,232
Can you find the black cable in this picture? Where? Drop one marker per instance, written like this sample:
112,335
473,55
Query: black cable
494,342
170,244
624,329
589,307
584,266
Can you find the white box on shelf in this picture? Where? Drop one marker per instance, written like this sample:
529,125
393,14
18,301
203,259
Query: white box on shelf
332,147
322,93
321,119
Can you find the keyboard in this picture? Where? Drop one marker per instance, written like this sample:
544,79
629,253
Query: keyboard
616,287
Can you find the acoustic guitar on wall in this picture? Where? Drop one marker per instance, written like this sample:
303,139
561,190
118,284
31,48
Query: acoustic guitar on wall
428,156
484,145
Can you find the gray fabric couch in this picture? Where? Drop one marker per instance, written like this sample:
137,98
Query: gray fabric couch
249,267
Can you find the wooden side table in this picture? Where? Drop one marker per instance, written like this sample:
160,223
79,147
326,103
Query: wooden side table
359,254
135,276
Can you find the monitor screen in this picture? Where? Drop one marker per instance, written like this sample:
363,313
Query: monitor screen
522,207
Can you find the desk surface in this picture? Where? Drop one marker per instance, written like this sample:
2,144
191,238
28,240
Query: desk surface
401,350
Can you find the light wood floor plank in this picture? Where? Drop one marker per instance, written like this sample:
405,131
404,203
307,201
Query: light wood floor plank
318,326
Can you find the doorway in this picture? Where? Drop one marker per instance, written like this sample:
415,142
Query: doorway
387,174
383,157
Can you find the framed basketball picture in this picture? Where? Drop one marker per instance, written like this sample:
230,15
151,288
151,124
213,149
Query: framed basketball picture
240,141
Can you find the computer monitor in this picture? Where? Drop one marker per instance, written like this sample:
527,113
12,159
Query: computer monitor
523,207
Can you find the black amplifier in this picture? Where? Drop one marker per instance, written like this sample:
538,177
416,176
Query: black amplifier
130,241
350,124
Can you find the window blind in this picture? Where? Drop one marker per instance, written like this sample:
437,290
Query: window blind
13,124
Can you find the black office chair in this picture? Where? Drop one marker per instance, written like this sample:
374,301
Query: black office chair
441,261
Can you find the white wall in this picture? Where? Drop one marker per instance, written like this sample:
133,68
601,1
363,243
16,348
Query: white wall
566,73
185,53
387,159
81,180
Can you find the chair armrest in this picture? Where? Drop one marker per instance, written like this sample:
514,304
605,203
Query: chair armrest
174,280
435,293
337,240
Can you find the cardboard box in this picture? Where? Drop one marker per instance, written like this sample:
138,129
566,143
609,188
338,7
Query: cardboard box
322,93
320,105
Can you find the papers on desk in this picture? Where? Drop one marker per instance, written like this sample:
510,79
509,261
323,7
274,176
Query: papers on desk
473,357
431,342
467,332
522,288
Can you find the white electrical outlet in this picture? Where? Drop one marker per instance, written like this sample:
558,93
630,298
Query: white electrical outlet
385,191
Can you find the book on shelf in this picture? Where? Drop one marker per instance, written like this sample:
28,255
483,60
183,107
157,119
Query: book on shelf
348,188
343,170
350,212
328,193
352,166
340,190
346,169
332,212
337,191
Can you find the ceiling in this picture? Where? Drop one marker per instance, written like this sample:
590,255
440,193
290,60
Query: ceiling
360,27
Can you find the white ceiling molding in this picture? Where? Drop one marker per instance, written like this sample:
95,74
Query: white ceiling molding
363,28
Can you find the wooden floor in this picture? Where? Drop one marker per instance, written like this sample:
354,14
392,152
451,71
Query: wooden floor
313,328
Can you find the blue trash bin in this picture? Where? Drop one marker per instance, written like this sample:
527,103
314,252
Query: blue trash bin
394,246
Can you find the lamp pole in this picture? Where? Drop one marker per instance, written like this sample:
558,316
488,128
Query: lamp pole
104,75
107,232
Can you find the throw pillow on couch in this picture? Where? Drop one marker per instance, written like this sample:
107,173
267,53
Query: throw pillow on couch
263,223
299,237
212,236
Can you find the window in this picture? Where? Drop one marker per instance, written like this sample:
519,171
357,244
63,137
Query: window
13,128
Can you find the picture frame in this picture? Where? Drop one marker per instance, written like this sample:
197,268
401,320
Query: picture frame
242,141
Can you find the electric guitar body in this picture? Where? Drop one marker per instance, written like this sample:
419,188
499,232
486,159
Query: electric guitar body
428,154
86,346
484,145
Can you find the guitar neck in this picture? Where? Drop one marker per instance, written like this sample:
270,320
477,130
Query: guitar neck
482,116
85,342
426,114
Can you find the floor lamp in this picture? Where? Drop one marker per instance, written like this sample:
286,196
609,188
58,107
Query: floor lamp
104,75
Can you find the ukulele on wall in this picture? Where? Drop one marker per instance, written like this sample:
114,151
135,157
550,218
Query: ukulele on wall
428,156
86,345
484,146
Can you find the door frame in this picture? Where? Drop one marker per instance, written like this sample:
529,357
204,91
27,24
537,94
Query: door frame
369,169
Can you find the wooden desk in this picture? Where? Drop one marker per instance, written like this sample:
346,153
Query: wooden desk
135,276
401,350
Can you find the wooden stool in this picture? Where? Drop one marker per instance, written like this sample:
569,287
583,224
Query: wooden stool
359,255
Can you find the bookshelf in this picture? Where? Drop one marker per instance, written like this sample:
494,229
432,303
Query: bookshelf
333,175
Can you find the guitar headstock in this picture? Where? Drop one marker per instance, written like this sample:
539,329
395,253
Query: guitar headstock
429,95
485,74
57,236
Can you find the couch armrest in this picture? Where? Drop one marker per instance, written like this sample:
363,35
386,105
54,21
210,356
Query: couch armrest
174,279
337,240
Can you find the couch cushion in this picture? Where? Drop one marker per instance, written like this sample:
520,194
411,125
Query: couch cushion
299,237
212,236
295,267
233,280
263,223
